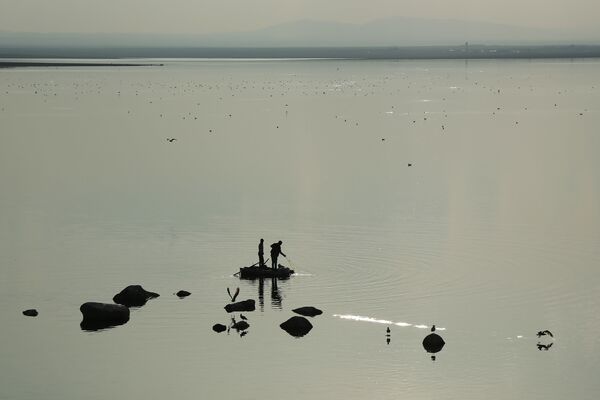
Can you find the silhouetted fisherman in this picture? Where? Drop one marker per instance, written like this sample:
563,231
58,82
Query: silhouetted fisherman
261,258
275,252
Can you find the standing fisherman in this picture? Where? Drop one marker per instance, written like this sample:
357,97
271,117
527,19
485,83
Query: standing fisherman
275,251
261,258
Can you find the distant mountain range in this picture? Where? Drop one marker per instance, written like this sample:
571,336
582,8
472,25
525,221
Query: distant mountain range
395,31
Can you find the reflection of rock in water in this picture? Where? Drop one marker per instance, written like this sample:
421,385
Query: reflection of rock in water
92,326
433,343
296,326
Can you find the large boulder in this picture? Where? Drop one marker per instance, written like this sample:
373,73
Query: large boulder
101,315
246,305
433,343
308,311
297,326
134,296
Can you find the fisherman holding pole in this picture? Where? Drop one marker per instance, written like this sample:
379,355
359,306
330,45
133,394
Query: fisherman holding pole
275,252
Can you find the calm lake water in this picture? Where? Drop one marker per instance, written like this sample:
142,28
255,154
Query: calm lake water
491,234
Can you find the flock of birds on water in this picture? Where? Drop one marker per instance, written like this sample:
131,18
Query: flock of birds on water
430,93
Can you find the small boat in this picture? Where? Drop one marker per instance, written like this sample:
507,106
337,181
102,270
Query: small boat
258,272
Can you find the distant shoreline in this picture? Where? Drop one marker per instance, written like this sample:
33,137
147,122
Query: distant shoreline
127,54
21,64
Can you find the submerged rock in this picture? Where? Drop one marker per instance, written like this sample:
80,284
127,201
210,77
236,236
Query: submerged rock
134,296
183,293
297,326
30,313
433,343
246,305
308,311
102,315
219,328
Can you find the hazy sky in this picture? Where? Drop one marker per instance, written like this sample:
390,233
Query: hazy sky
205,16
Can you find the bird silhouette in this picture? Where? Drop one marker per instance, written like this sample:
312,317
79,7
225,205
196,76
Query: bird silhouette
388,330
243,317
433,328
544,333
171,140
235,295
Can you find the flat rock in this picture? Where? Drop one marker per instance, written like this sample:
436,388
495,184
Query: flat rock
433,343
183,293
219,328
30,313
102,315
134,296
246,305
308,311
297,326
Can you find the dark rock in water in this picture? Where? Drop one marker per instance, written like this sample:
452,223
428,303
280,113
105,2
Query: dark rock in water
240,326
246,305
30,313
296,326
183,293
308,311
433,343
219,328
134,296
101,315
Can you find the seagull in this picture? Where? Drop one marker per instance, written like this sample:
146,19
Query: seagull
243,317
544,333
388,330
171,140
433,328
